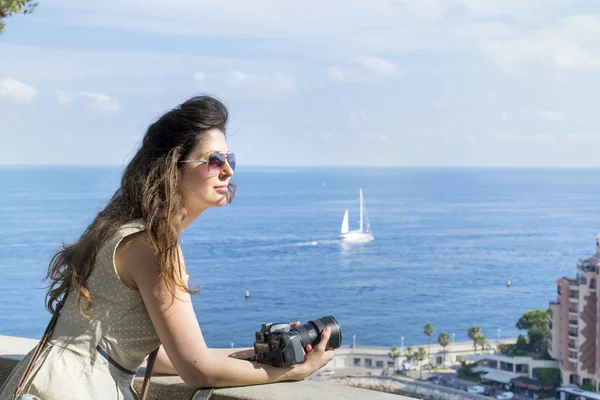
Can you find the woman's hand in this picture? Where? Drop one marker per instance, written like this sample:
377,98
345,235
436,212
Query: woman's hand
317,357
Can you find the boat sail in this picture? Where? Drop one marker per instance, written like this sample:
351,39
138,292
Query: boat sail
363,234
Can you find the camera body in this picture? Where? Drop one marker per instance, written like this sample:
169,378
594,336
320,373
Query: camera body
278,345
281,345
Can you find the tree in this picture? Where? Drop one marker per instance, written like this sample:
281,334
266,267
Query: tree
10,7
536,324
521,344
408,354
474,333
548,375
428,330
420,356
482,342
538,339
394,354
444,340
533,318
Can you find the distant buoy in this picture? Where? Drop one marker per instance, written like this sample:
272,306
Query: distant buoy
508,283
247,293
314,243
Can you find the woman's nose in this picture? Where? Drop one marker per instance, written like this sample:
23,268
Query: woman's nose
227,170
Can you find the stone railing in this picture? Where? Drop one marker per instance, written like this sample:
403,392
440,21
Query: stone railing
12,349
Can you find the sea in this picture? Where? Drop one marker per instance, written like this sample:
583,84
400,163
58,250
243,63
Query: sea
447,241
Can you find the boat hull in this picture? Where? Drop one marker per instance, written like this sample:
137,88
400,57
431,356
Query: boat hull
356,237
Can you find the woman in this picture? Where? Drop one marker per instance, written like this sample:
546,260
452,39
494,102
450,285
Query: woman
126,278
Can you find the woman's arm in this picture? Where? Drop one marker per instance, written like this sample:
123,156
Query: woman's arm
177,327
163,365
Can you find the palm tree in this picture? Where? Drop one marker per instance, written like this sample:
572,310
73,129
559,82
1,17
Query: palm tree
409,355
474,333
420,357
394,354
428,330
482,342
444,340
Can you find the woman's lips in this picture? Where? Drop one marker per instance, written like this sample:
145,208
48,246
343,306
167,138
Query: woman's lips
221,189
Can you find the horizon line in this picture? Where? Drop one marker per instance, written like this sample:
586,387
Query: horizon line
2,165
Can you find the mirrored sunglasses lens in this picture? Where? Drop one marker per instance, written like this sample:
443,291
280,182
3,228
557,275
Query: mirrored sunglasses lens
216,161
231,160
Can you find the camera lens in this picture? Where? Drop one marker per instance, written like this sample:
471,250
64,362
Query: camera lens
310,332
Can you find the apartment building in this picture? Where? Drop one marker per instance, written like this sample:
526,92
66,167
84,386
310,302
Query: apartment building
574,324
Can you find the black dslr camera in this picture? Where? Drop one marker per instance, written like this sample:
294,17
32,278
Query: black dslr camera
282,346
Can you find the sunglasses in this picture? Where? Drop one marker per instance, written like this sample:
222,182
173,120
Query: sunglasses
216,161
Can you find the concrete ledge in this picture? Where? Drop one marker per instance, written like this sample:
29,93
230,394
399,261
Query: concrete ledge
173,388
12,350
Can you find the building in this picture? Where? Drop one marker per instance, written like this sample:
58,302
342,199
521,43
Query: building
377,357
503,369
571,393
574,325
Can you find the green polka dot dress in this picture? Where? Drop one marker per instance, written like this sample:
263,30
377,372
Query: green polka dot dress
96,357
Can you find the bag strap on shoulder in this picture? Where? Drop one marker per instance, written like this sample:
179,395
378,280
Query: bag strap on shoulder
148,374
38,349
42,343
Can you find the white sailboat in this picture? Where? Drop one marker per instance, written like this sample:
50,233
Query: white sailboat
363,234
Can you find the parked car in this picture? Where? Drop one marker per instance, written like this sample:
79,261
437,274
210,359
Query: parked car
475,389
410,366
505,396
435,379
327,372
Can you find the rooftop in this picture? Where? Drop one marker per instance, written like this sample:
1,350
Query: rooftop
588,265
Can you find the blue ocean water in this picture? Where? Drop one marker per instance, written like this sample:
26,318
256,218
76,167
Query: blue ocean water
446,242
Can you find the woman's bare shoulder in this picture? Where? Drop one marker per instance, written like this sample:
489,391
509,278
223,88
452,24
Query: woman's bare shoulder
135,255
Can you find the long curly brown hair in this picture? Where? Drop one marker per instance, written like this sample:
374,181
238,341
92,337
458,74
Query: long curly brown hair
150,190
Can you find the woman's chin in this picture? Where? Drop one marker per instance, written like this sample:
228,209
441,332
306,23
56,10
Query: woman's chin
222,201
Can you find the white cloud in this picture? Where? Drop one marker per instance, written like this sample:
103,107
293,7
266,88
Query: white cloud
378,65
548,115
495,27
372,137
524,138
345,26
262,84
504,136
583,137
275,18
571,44
359,116
339,74
200,76
65,98
369,69
16,91
324,135
435,10
97,100
102,101
504,116
63,65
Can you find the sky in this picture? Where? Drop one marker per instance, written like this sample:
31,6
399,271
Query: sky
507,83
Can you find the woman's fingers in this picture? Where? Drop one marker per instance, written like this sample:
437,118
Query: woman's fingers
322,346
